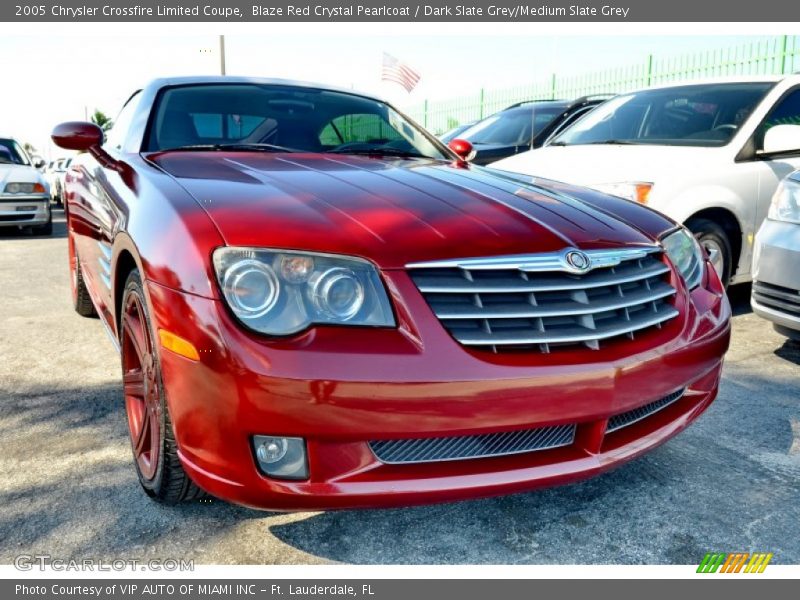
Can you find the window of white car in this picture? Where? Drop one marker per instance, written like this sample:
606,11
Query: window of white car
692,115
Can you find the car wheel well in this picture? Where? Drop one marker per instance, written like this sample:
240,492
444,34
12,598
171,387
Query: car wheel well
730,224
125,264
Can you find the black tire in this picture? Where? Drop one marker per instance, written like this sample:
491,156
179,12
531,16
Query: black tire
170,485
81,301
710,233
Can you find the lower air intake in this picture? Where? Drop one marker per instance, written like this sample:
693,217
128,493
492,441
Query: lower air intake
486,445
637,414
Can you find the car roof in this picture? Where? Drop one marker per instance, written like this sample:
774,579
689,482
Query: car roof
716,80
210,79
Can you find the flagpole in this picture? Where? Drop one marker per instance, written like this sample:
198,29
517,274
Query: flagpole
222,55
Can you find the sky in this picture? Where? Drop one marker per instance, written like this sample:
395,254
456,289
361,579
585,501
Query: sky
58,78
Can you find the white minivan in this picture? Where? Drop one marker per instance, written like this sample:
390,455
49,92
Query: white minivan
708,154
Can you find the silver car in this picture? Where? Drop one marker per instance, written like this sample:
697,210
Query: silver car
24,194
776,261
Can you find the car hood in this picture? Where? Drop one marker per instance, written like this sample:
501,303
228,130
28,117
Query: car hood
597,164
390,211
18,174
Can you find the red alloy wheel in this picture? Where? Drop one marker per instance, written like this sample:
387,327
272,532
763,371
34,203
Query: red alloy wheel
141,387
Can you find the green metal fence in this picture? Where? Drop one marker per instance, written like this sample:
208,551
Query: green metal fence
771,56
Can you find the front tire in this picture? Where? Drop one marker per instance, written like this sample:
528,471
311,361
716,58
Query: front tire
81,301
715,240
155,450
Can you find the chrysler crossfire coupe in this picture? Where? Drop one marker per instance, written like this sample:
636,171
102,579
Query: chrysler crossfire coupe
319,305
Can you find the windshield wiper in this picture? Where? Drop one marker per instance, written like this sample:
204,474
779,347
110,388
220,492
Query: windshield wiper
235,147
378,152
598,143
613,143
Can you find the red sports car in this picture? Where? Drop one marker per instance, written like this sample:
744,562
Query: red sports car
318,305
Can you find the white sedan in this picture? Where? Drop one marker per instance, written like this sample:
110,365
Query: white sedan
24,194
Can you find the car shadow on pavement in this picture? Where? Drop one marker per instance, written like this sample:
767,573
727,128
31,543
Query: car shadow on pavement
790,351
739,297
69,487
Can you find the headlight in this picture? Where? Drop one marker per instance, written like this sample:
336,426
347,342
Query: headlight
634,191
785,204
24,188
687,256
282,292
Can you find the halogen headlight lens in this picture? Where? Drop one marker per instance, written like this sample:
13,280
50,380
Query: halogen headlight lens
338,293
20,188
283,292
251,288
636,191
687,256
785,204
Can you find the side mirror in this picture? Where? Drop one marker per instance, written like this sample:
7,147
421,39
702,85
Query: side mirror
463,149
781,139
38,162
77,135
83,137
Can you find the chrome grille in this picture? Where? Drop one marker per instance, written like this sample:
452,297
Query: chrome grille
440,449
776,297
637,414
540,301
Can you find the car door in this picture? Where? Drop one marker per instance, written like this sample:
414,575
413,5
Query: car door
95,216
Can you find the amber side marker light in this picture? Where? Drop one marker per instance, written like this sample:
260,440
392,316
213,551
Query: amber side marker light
38,188
643,192
178,345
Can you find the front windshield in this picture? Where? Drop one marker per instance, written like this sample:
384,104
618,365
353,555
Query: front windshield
281,117
11,153
691,115
517,127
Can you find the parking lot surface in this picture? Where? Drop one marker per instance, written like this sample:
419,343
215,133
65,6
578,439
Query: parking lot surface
729,483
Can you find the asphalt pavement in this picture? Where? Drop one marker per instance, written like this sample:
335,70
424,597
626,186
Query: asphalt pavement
731,482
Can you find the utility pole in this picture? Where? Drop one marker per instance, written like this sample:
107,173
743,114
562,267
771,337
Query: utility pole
222,55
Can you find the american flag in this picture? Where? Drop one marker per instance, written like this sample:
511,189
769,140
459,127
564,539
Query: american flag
398,72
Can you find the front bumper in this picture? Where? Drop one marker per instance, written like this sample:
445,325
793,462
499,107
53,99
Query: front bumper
339,391
24,211
776,275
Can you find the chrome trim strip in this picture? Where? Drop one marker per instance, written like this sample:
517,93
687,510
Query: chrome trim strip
552,311
553,337
537,263
535,286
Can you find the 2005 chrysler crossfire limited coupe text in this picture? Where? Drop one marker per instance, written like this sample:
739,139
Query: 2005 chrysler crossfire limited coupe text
318,305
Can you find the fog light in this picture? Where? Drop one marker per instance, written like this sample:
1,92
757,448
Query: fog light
281,457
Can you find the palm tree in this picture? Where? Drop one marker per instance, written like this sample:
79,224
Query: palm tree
100,119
